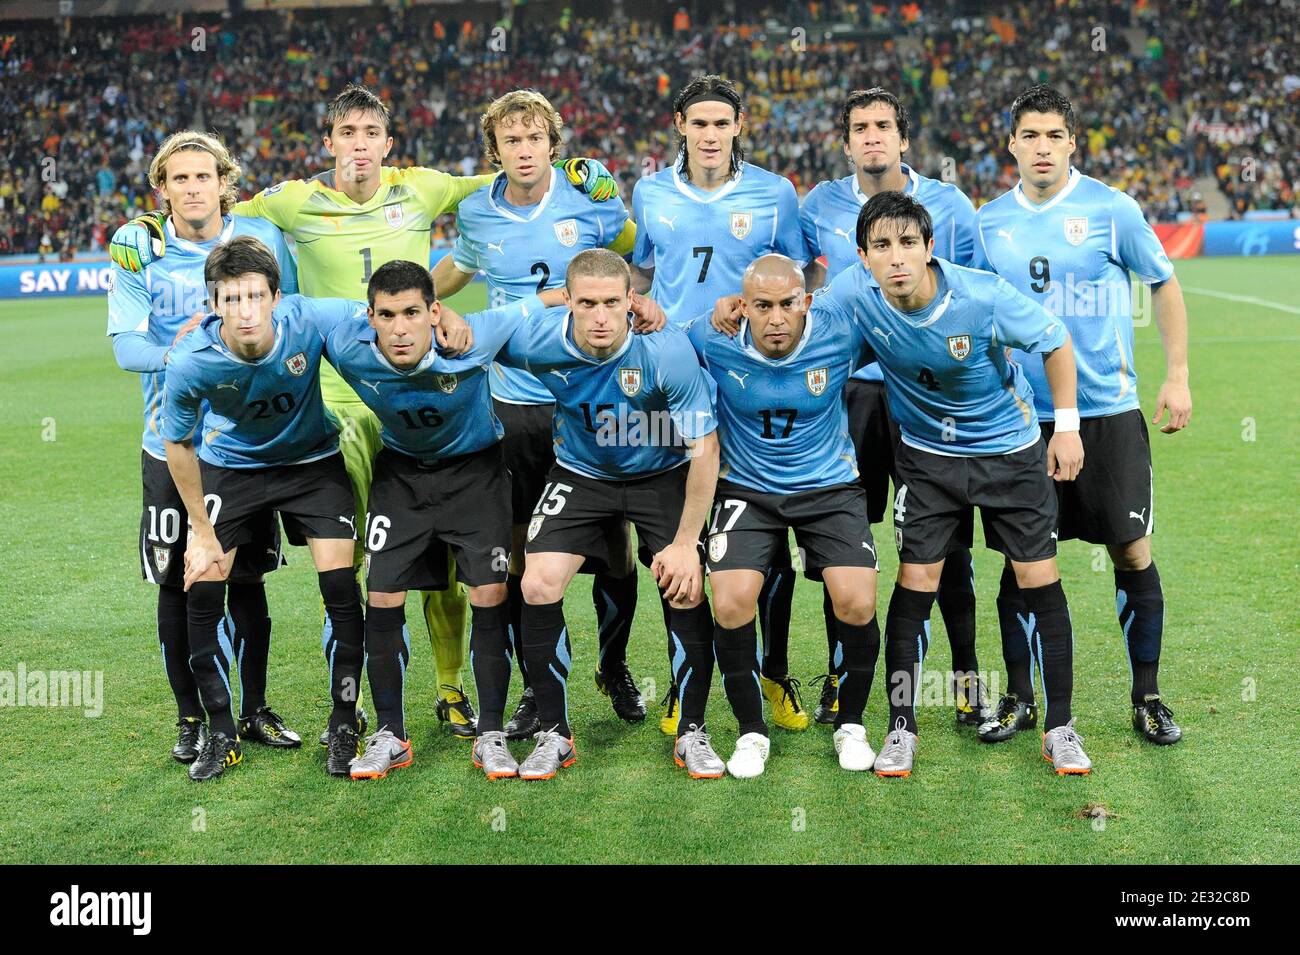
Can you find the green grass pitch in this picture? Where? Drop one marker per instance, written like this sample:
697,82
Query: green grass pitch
80,789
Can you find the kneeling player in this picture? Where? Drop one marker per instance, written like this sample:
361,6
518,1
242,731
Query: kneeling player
970,438
630,412
265,444
788,462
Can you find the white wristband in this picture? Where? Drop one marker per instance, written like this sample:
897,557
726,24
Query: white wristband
1067,419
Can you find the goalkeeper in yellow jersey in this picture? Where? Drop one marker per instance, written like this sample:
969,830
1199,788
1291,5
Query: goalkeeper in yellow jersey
346,222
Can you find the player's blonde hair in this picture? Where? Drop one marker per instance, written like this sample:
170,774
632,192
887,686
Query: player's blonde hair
228,171
529,103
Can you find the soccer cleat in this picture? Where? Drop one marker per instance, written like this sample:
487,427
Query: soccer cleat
787,708
1063,748
363,724
1010,717
898,753
525,723
854,751
384,752
454,708
266,727
616,683
189,741
671,715
552,753
972,700
491,754
750,756
344,747
828,707
695,754
219,752
1153,720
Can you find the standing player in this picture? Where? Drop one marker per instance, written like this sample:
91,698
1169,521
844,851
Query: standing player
787,462
630,412
969,439
522,231
265,444
1070,243
147,310
699,225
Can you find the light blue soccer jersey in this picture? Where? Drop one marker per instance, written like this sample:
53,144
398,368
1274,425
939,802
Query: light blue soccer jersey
783,422
525,250
949,384
700,243
830,225
1073,254
620,417
443,406
157,301
260,413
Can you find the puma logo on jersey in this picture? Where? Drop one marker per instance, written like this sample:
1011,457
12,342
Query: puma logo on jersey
1140,517
374,388
232,385
739,378
846,235
498,246
562,375
870,548
883,334
351,522
1006,234
671,223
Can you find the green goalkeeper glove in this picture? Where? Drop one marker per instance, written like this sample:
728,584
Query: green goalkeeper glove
138,242
591,176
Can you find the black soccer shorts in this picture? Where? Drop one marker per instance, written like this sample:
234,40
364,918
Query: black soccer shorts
875,436
528,452
418,510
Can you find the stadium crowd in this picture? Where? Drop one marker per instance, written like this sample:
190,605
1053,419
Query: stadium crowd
1213,93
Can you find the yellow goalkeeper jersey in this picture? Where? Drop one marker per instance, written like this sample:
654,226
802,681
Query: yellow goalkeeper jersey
340,242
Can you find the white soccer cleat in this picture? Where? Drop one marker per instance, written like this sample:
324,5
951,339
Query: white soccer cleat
750,756
855,752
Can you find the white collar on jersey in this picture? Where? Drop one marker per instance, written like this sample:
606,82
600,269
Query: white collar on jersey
577,352
696,194
913,183
227,230
219,344
750,349
1072,181
420,366
504,208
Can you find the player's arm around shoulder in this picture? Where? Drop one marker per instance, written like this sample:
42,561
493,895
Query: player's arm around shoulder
278,204
439,191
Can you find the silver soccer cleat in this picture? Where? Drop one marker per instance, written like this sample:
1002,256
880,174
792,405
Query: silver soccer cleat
897,754
694,752
552,753
384,752
1063,748
491,754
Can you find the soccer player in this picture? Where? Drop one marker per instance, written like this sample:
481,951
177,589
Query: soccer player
265,444
1070,243
522,232
787,462
699,225
346,223
634,437
147,312
970,438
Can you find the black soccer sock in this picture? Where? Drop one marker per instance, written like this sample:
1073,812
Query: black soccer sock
1140,603
252,641
210,653
774,601
1013,619
615,601
388,653
907,638
668,629
546,644
832,638
174,639
515,603
1053,647
691,638
957,605
344,642
857,651
738,662
489,662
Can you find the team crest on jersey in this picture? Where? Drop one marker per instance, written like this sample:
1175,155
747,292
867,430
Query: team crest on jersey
447,383
629,379
741,223
162,556
274,189
394,216
959,346
535,526
1076,229
717,547
297,365
566,231
817,379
